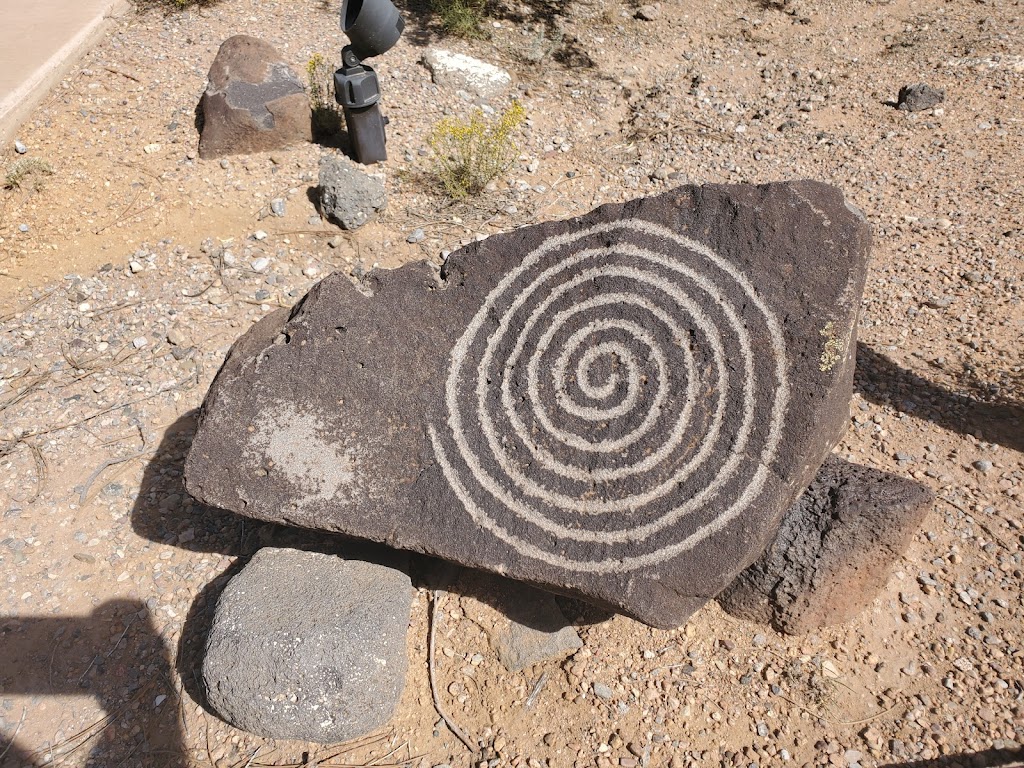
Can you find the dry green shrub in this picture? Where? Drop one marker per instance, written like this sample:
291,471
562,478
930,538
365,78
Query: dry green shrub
326,112
462,18
470,153
28,174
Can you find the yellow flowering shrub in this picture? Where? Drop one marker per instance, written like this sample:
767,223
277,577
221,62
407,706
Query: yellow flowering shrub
470,153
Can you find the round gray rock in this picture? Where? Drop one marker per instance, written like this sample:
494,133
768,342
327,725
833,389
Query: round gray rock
348,197
309,646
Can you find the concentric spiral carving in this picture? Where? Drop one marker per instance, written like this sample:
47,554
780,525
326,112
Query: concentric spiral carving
617,398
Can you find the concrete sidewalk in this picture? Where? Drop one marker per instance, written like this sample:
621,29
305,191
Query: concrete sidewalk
40,41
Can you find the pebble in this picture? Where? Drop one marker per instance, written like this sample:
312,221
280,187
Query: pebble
139,342
135,267
23,227
982,465
336,242
277,206
648,12
416,236
259,234
260,264
602,691
20,148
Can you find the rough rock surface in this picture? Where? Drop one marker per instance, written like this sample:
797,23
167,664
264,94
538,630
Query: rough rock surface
462,72
834,550
919,97
538,632
309,646
348,196
619,406
253,103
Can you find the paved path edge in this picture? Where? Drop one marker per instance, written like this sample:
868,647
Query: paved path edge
20,103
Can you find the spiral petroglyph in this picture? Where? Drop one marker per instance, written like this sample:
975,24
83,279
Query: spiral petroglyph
594,382
619,406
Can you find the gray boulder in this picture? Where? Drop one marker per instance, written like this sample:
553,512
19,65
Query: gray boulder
253,102
309,646
348,196
834,550
618,407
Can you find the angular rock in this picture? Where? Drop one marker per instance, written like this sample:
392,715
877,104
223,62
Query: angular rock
919,97
618,407
834,550
539,632
309,646
348,196
253,102
461,72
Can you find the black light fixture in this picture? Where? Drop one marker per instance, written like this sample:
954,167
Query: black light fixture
373,27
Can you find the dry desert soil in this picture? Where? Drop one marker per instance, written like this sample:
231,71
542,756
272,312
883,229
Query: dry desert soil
125,278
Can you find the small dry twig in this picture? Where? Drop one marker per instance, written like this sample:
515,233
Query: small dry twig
123,213
110,463
11,742
435,597
122,73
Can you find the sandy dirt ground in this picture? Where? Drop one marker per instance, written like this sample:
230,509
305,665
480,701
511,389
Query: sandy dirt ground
127,276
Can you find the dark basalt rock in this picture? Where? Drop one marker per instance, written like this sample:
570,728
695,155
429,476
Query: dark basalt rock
618,407
253,103
834,550
919,97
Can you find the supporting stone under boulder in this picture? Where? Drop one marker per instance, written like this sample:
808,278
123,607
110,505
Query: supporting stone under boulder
253,102
309,646
619,406
834,551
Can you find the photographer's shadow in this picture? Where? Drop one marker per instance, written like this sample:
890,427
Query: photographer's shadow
114,655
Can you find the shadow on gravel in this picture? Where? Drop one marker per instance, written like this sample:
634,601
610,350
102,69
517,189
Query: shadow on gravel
165,513
114,655
989,758
883,382
425,28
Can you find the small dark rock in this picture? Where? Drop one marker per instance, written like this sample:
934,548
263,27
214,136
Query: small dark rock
919,97
834,550
538,633
348,197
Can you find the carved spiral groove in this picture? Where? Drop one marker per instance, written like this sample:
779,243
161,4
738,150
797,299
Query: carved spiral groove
617,398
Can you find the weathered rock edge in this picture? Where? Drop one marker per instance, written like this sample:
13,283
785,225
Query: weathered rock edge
321,417
834,550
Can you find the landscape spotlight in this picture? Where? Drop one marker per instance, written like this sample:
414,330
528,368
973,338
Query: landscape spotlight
373,27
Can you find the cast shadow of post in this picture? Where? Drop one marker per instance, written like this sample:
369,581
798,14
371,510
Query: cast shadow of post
115,655
883,382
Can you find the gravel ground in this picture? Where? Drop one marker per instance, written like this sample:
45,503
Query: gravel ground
124,281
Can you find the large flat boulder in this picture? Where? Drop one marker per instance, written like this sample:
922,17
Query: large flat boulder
619,406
